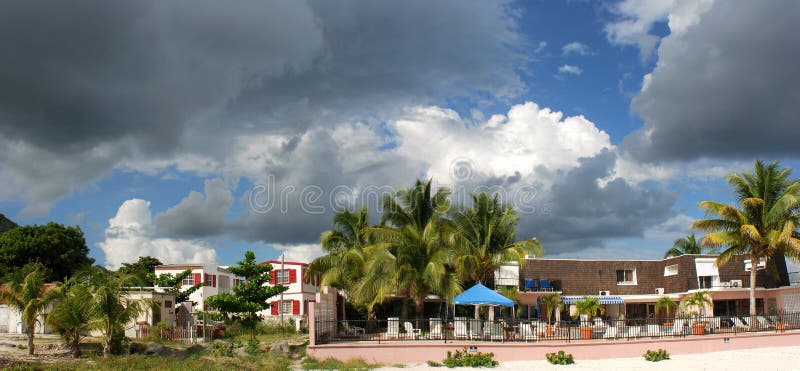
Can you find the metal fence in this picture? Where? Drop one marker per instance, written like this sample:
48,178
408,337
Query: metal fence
467,329
177,334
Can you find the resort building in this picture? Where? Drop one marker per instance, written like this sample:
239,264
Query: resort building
297,296
630,288
216,280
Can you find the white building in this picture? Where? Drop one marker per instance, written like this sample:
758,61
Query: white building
297,296
217,280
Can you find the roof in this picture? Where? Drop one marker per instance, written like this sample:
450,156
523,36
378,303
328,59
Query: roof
482,295
182,267
275,262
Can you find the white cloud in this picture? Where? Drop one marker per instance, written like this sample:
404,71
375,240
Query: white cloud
671,229
300,252
130,235
575,48
570,69
540,47
197,215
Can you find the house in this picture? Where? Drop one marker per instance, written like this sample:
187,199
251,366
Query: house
297,296
159,307
630,288
216,280
11,319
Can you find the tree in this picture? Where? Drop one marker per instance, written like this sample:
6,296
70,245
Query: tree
695,303
551,302
686,245
25,293
485,238
6,224
172,284
343,265
111,304
666,304
250,297
763,227
74,314
589,306
511,293
144,268
62,250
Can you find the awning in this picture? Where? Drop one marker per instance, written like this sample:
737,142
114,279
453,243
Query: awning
604,299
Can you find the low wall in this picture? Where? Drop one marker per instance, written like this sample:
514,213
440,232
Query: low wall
420,351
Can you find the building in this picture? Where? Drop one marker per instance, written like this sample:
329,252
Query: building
297,296
217,280
630,288
162,310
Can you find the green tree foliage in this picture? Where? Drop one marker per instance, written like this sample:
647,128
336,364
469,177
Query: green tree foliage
687,245
590,306
172,284
764,226
62,250
551,302
666,304
25,293
144,268
74,313
248,297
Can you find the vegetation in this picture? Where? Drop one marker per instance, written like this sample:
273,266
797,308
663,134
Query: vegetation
589,306
248,297
311,363
687,245
25,293
172,284
62,250
143,268
6,224
763,226
551,302
693,304
656,355
666,304
463,358
560,358
511,293
74,314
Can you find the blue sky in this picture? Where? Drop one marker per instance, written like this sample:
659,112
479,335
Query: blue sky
153,137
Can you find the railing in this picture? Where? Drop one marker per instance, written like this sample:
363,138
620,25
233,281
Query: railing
183,334
466,329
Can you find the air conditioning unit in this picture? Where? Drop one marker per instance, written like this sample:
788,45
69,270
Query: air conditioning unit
736,283
604,293
660,291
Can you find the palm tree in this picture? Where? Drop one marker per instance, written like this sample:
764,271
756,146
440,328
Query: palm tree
686,245
25,293
111,304
589,306
764,226
415,206
551,302
74,314
343,265
697,300
666,304
485,238
511,293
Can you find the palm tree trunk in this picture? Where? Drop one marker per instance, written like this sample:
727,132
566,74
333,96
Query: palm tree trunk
30,339
753,268
419,307
404,310
76,347
344,308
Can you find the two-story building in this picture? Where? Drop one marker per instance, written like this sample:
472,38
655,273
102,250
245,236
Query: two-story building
299,293
216,280
630,288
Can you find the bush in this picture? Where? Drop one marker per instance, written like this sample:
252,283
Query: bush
311,363
560,358
463,358
252,347
655,356
434,364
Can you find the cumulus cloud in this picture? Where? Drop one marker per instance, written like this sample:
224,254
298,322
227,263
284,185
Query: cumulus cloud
575,48
301,252
721,90
130,235
197,215
570,69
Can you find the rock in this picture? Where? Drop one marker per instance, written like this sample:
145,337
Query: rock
156,349
136,348
240,352
279,348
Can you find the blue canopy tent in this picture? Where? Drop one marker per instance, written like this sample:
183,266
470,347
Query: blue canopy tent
482,295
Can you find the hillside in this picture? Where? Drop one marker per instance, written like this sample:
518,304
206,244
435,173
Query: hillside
6,224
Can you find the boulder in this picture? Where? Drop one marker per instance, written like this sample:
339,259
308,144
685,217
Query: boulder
279,348
136,348
156,349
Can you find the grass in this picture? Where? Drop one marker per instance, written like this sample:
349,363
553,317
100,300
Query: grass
141,362
335,364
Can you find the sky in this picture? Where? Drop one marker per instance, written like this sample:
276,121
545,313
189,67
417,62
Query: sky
193,131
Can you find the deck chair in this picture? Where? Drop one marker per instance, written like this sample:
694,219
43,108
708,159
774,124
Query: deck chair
460,328
435,328
493,331
747,323
526,332
762,321
475,329
737,323
411,332
352,330
653,330
393,328
611,333
598,322
634,331
715,324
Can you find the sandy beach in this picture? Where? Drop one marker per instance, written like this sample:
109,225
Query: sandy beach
783,358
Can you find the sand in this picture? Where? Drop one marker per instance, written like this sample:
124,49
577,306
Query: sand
783,358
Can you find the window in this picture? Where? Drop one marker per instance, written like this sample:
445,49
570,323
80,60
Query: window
168,303
286,307
671,270
762,263
211,280
282,276
188,281
705,282
626,277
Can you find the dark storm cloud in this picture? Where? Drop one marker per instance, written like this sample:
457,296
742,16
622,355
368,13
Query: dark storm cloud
726,88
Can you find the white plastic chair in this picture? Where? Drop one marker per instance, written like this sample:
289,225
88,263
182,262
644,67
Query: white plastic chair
475,329
435,327
611,333
460,328
412,332
763,322
352,330
393,328
737,323
526,332
654,330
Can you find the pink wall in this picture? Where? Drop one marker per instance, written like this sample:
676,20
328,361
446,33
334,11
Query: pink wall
419,352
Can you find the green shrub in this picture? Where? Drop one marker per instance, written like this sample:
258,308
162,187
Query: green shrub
463,358
657,355
434,364
560,358
252,347
311,363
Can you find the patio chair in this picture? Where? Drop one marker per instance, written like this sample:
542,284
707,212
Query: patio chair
411,332
747,323
598,322
541,328
460,328
544,285
493,331
653,330
475,329
393,328
737,323
352,330
435,328
763,323
611,333
715,324
633,331
530,285
526,332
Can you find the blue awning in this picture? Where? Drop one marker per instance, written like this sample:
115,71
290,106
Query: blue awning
604,299
482,295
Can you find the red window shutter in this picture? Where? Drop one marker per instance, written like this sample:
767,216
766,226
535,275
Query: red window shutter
295,306
205,278
292,276
274,308
214,281
197,278
272,279
205,307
